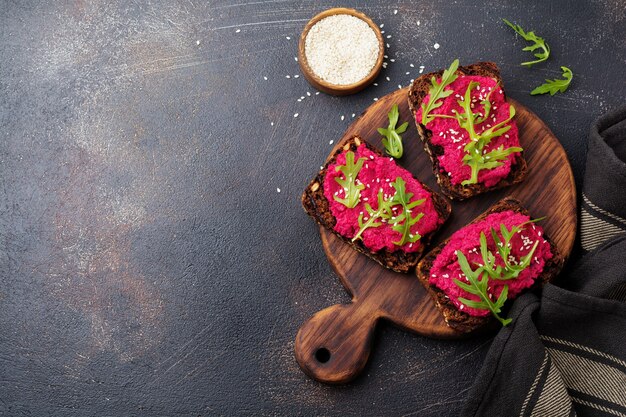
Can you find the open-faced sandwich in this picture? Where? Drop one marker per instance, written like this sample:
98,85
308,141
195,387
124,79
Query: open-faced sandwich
375,205
500,254
468,129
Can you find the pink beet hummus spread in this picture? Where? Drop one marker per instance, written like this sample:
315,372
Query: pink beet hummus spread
448,134
378,172
446,267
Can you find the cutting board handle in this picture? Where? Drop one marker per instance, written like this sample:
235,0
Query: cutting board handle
334,344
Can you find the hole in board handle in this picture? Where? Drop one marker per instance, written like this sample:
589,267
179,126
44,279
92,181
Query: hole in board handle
322,355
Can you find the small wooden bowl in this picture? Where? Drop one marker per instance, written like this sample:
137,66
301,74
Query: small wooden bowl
335,89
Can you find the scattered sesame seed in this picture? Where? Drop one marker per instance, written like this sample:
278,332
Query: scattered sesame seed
296,76
436,46
272,124
387,45
288,38
287,76
295,115
387,78
382,25
198,42
418,23
265,78
395,11
407,73
399,86
295,58
375,98
382,31
388,36
392,60
331,142
376,84
342,117
317,93
278,190
308,93
353,114
411,65
238,30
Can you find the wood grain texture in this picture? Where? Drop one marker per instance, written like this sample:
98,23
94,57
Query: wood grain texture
333,346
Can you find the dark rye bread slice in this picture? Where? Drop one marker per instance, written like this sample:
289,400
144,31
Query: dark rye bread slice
458,319
317,206
418,90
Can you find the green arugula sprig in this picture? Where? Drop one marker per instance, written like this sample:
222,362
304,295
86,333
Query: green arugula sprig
352,190
437,92
402,222
538,43
392,140
479,278
556,85
384,213
479,286
511,269
475,156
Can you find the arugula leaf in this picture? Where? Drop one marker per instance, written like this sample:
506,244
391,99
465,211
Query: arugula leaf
437,91
382,212
555,86
402,222
479,285
392,140
511,269
538,43
352,190
476,156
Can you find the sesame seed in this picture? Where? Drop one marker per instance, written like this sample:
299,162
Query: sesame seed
407,73
388,36
436,46
387,45
353,114
288,38
399,86
382,25
376,84
296,76
308,93
265,78
238,30
331,142
295,115
375,98
342,117
395,11
392,60
272,124
287,76
317,93
411,65
278,190
387,78
198,42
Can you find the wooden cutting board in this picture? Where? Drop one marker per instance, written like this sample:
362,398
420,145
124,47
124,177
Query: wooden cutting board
334,345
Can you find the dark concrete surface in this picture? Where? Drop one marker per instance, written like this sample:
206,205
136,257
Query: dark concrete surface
148,264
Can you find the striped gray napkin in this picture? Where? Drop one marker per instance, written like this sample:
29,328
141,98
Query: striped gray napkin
565,352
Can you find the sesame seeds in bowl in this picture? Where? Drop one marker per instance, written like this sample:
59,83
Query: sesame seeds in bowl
341,51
